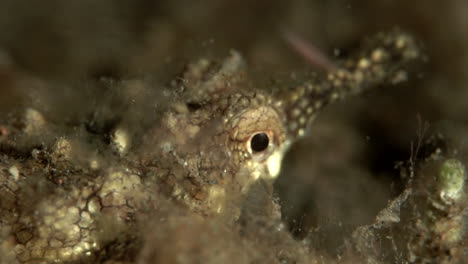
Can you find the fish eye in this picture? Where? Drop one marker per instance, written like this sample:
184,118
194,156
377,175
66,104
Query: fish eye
259,142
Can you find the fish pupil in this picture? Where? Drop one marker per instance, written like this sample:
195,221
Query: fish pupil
259,142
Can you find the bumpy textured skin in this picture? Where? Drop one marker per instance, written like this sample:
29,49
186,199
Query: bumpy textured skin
58,206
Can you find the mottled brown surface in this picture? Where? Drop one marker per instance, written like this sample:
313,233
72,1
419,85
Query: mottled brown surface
114,149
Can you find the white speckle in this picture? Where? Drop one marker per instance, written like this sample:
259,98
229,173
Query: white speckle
274,163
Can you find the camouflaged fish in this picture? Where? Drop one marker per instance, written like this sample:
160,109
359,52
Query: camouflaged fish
216,139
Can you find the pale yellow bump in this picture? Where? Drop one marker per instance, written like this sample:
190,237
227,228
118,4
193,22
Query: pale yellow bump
26,219
335,96
279,103
81,203
114,199
244,101
75,192
318,105
40,243
37,253
121,140
171,120
94,206
66,253
78,249
296,112
14,172
134,180
341,73
85,220
51,255
176,191
359,76
60,213
401,42
86,192
192,130
377,55
73,214
309,110
180,108
261,97
294,97
55,243
60,225
73,233
301,132
44,231
48,219
302,120
34,121
303,103
85,234
82,247
363,63
94,164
